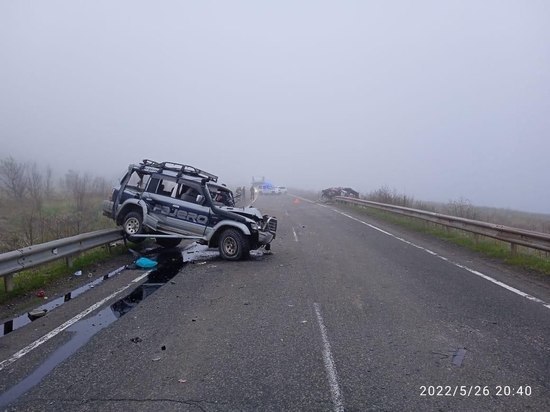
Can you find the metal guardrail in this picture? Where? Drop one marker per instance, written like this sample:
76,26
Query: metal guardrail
514,236
31,256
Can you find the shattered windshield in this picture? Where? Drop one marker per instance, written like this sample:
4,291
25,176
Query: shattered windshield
221,196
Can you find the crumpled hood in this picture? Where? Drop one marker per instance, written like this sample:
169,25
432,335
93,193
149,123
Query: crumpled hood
249,212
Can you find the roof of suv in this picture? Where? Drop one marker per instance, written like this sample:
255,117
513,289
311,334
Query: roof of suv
175,170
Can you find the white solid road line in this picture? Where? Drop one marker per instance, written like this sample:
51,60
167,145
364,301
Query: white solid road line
473,271
336,394
61,328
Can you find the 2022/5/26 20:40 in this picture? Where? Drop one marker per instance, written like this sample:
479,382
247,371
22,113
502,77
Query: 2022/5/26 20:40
475,390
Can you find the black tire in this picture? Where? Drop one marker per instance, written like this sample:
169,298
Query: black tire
234,245
132,225
168,241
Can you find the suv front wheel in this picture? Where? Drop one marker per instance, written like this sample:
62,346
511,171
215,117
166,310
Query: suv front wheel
234,245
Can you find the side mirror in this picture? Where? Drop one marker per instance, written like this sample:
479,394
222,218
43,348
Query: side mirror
200,199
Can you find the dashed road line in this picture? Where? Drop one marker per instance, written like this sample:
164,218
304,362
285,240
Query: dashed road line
336,394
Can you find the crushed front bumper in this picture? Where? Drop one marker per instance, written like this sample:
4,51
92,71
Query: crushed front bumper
268,230
265,238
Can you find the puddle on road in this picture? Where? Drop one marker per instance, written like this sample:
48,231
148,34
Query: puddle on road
82,332
193,253
170,262
22,320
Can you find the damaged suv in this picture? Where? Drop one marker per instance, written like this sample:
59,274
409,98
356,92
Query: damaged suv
172,201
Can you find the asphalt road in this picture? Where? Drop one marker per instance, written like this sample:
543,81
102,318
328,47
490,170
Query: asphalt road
346,314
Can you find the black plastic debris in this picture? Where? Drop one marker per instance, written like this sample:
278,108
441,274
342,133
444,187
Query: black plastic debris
36,313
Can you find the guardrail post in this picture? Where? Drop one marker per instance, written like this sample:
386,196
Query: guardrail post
8,282
514,249
69,260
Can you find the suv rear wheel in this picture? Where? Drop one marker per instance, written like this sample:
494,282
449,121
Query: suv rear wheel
234,245
132,224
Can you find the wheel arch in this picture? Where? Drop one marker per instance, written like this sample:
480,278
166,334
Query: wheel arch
217,230
127,208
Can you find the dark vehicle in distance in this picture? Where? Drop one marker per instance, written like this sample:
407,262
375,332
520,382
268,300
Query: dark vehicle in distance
332,192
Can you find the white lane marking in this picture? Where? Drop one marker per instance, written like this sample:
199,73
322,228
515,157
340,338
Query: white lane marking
473,271
61,328
295,235
337,398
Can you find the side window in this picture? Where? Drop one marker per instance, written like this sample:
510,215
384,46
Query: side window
138,181
188,194
153,185
182,189
166,187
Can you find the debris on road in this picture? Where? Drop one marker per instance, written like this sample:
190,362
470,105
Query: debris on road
145,263
36,313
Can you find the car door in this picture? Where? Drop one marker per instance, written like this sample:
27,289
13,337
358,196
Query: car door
189,216
159,200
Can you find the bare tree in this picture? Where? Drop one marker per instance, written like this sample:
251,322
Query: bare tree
100,186
13,179
35,183
78,186
461,208
48,183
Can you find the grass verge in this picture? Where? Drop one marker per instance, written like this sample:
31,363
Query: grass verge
41,276
525,258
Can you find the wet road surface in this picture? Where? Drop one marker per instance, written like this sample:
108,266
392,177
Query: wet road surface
341,316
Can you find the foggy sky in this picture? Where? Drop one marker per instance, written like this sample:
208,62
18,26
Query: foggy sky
438,99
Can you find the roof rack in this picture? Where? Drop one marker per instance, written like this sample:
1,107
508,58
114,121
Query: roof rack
179,168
